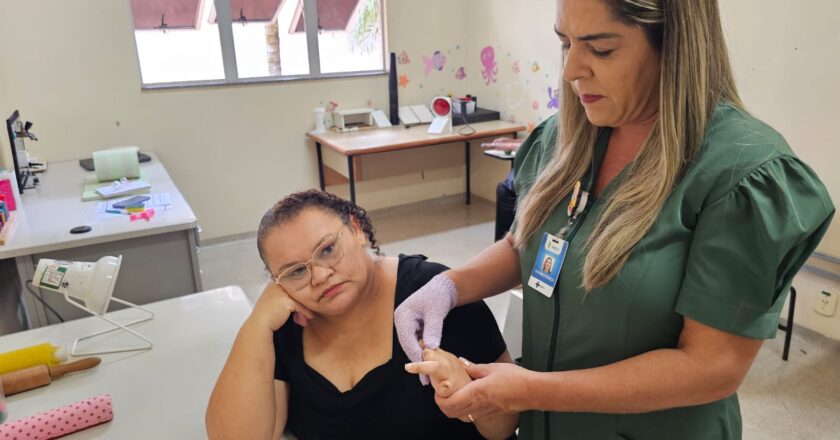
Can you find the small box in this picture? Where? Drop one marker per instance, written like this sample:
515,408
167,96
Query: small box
467,104
357,117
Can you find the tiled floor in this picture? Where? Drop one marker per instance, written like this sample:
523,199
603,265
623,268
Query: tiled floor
797,399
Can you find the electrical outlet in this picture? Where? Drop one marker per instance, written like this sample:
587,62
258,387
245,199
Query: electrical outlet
826,303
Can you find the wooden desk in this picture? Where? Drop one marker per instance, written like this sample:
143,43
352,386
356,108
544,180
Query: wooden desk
157,394
363,142
160,258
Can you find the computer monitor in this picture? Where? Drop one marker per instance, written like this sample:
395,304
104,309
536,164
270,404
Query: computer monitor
13,126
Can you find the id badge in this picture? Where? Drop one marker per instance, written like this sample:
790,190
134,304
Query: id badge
547,266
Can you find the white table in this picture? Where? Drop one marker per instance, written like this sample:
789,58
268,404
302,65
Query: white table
157,394
159,256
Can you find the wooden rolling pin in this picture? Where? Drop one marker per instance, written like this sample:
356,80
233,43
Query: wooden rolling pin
41,375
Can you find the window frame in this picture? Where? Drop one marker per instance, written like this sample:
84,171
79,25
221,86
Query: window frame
226,42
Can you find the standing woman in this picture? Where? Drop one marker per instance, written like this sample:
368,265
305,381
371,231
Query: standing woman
677,219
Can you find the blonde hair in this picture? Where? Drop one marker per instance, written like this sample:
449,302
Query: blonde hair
695,75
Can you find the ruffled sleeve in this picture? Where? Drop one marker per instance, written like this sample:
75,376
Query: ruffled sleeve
749,243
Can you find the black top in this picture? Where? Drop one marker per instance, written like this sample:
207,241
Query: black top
387,402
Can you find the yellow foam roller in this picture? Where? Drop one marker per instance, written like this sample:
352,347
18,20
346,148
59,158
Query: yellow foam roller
40,354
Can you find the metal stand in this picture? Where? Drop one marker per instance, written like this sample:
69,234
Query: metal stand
352,176
320,166
467,161
118,326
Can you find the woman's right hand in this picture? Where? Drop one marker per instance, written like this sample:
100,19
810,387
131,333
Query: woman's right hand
274,307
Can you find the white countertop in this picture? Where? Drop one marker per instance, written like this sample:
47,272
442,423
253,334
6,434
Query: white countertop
46,214
157,394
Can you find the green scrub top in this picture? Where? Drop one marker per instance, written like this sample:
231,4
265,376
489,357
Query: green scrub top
723,252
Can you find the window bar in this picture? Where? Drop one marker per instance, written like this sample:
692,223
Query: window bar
310,14
226,40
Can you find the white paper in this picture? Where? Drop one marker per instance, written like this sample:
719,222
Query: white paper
380,119
422,113
438,125
407,116
158,201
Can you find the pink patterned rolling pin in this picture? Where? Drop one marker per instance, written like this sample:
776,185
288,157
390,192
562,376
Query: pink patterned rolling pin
60,421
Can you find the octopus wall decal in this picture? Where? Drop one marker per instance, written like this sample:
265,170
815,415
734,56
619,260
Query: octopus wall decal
490,69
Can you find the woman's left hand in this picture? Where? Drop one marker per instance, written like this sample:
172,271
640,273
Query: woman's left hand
496,389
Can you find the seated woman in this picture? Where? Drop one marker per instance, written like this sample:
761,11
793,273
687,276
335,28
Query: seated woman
343,374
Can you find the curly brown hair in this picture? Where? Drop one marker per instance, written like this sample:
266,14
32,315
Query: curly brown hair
293,204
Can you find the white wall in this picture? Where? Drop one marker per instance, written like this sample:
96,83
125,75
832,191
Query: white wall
71,67
785,59
521,33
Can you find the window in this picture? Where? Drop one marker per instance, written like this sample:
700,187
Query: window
185,42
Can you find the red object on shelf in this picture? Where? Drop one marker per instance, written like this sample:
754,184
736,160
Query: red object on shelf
441,107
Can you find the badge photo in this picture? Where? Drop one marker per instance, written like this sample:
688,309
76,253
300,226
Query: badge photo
548,263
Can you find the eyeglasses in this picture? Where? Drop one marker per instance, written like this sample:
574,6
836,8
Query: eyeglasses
327,255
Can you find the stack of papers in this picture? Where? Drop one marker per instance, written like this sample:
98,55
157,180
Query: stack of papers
92,187
122,187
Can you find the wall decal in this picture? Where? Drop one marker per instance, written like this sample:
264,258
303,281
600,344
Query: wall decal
435,62
490,69
553,99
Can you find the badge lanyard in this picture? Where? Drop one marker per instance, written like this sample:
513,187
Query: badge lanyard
553,248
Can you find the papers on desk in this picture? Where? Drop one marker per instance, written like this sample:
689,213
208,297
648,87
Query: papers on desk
92,185
415,114
159,201
122,187
501,154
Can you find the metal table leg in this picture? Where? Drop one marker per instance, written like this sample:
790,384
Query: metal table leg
352,177
788,327
515,136
467,160
320,166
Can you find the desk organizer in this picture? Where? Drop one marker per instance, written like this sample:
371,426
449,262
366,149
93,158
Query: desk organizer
8,229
